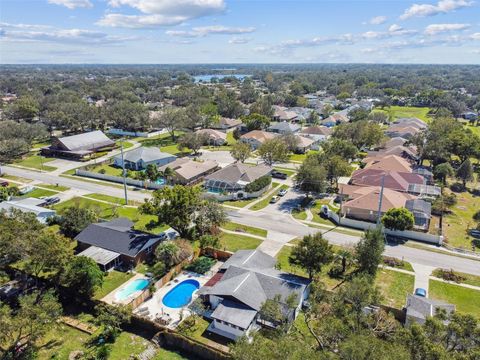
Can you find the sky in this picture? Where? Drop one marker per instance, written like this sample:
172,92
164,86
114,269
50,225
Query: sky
239,31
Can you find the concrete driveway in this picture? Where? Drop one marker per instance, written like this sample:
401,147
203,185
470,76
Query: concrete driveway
286,203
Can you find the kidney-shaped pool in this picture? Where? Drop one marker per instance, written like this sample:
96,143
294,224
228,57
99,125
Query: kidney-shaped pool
181,294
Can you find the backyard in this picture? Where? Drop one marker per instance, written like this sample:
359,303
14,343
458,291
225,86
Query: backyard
111,281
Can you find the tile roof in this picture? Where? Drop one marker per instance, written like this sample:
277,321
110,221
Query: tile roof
188,168
369,200
259,135
388,163
213,134
393,180
317,130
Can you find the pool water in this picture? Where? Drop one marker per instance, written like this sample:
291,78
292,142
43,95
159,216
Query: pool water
181,294
160,181
132,287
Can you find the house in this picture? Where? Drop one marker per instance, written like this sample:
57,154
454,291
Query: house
404,131
244,283
304,144
281,113
256,138
284,128
337,118
29,205
140,158
235,177
422,213
419,308
116,242
79,146
214,137
188,172
318,134
364,203
388,163
395,141
227,124
393,180
416,122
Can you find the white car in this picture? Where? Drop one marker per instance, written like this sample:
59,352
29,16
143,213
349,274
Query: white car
282,192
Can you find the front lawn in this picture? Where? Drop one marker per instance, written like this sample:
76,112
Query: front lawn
58,188
111,281
239,203
38,193
394,286
468,278
36,162
396,112
112,199
234,242
466,300
456,224
244,228
266,201
105,168
289,172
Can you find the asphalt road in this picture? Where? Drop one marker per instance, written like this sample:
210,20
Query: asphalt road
278,221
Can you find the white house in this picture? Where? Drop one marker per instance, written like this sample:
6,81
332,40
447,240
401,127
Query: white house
140,158
30,205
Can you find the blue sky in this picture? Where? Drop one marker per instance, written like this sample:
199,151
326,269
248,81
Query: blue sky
239,31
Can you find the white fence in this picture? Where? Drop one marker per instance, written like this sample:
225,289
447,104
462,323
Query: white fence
118,179
121,132
408,234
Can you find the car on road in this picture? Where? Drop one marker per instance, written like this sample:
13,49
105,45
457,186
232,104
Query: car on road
279,175
421,292
274,199
4,183
282,192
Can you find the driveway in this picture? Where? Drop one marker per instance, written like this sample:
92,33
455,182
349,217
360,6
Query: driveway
286,203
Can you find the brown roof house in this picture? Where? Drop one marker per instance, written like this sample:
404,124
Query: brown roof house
393,180
188,172
214,137
256,138
388,163
79,146
318,134
227,124
304,144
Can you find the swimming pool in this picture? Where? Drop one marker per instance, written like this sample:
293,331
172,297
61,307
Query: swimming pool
132,287
181,294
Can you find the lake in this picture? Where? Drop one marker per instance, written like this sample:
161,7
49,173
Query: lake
208,78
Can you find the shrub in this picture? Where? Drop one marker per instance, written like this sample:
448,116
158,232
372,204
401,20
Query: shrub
259,184
476,216
102,171
158,270
201,265
393,262
448,275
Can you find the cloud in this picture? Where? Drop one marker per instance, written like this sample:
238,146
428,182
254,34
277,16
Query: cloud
72,4
157,13
475,36
378,20
239,40
207,30
39,33
435,29
393,30
442,7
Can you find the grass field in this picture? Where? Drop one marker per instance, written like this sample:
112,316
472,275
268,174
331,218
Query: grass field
234,242
106,169
239,203
111,281
266,201
113,199
244,228
38,193
107,211
394,287
395,112
456,224
466,300
36,162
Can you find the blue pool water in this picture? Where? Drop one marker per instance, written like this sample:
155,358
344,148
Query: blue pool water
160,181
132,287
181,294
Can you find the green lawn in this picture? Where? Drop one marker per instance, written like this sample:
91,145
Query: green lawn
39,145
234,242
111,281
315,209
238,203
105,168
112,199
16,178
163,354
264,202
59,188
395,112
469,279
36,162
197,331
244,228
289,172
456,224
466,300
107,211
475,129
126,144
394,286
38,193
299,214
165,143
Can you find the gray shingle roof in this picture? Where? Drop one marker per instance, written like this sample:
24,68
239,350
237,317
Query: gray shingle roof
249,259
420,308
147,154
238,172
86,141
118,236
234,313
284,127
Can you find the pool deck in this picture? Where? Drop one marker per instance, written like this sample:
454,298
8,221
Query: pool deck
110,297
155,306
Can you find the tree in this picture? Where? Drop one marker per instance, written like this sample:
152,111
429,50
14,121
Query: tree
398,219
336,167
312,175
24,108
110,319
342,148
171,119
379,117
313,118
152,172
368,251
256,121
175,206
74,219
263,106
358,114
362,134
273,150
291,140
82,276
168,253
442,171
210,216
193,141
227,104
127,115
23,327
311,253
241,151
465,172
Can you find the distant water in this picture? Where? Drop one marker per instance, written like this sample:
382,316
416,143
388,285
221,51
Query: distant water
208,78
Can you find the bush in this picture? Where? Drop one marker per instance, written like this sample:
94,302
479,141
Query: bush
457,187
158,270
201,265
448,275
259,184
102,171
476,216
393,262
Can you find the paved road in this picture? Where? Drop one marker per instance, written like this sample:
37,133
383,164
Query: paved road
90,187
273,221
285,224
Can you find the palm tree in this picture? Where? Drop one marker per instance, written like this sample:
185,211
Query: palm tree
168,253
346,257
167,174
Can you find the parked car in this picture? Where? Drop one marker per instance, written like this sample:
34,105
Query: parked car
282,192
274,199
4,183
52,200
26,190
279,175
421,292
475,233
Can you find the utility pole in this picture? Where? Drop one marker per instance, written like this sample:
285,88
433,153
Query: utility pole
124,173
